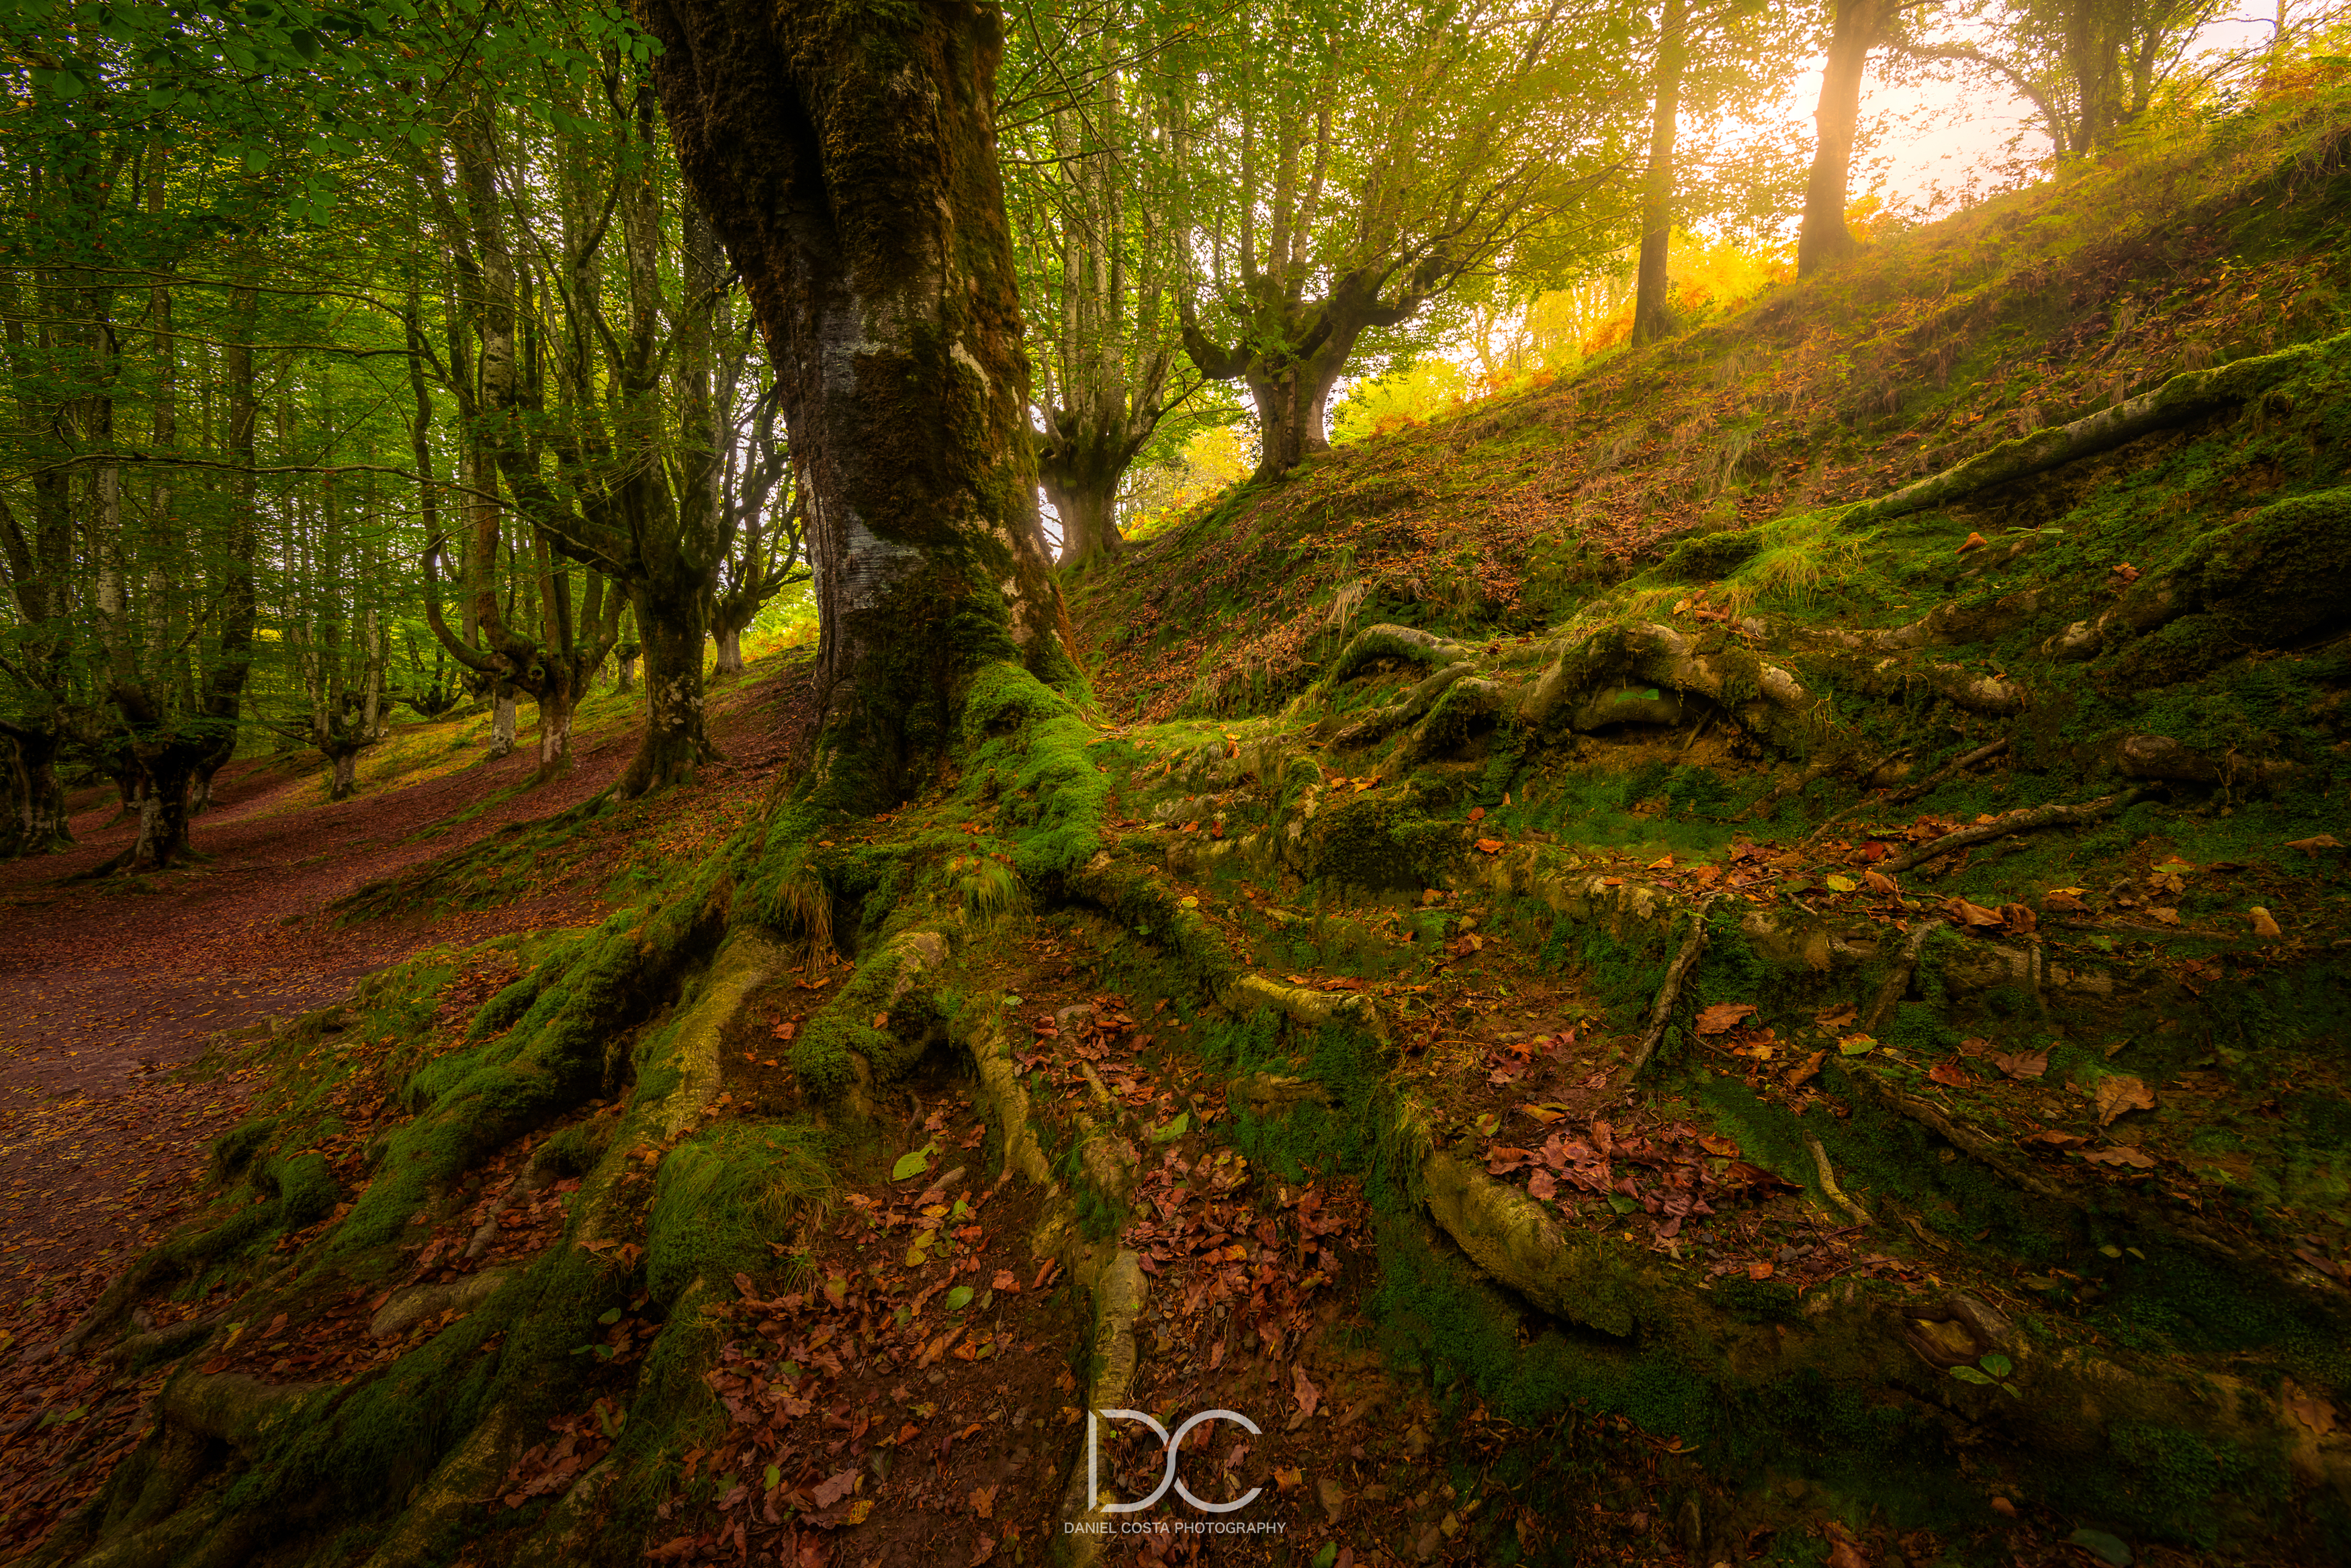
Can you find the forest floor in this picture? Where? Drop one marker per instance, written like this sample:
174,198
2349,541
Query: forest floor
115,986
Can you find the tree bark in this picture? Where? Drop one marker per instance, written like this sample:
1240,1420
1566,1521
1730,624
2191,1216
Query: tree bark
729,640
1824,238
847,157
1087,504
502,722
1653,314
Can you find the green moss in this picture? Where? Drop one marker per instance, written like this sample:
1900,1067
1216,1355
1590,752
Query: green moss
723,1195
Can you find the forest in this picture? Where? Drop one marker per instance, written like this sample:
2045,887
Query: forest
780,782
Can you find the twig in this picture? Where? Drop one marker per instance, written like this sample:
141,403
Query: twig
1662,1010
1829,1182
2012,822
1913,792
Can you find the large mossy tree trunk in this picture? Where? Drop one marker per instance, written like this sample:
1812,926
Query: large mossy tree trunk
847,159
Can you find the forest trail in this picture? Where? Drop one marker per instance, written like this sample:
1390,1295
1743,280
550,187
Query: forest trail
112,986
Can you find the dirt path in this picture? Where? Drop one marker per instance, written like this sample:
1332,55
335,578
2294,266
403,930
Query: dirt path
106,987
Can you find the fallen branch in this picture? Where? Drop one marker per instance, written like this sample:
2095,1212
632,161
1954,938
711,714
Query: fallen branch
1662,1010
2022,821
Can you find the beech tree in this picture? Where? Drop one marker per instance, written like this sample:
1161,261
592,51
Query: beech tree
848,158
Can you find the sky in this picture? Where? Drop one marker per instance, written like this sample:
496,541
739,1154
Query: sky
1951,136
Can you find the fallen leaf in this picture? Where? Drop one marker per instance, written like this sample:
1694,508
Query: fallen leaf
1951,1074
1759,1271
1969,914
1006,1280
1856,1046
1837,1017
1490,846
1974,541
983,1501
2165,914
2315,844
1663,863
984,1549
1879,882
2064,902
2023,1064
1540,1185
1477,814
833,1488
1723,1017
2119,1093
1286,1479
2265,923
1840,884
2055,1139
1309,1396
2122,1154
2311,1411
2018,918
1805,1074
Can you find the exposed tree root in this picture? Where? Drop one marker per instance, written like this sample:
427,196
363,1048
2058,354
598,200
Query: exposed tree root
1661,1011
2020,821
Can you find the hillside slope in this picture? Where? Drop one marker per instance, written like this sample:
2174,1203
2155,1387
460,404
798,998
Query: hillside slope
1739,961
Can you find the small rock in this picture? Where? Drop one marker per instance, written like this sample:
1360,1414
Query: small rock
1430,1539
1072,1016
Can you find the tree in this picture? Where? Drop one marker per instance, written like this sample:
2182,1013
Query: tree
1344,163
848,158
1858,28
1728,55
1089,188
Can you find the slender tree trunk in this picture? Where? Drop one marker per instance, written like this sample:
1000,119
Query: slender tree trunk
1653,313
346,767
625,676
1824,238
502,722
556,702
847,157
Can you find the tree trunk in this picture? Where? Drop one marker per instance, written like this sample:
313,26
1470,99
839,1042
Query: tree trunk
39,798
1653,313
502,723
1289,408
674,743
346,767
169,768
729,640
847,157
625,675
556,701
1087,505
1824,238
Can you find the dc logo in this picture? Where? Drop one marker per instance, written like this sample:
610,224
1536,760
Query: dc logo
1175,1446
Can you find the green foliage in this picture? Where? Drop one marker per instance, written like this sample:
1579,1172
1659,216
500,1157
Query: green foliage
724,1194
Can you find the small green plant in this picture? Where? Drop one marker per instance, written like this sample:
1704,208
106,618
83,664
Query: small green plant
985,886
1990,1370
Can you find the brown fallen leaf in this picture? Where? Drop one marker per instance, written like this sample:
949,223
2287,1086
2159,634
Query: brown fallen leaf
1804,1074
2165,914
1969,914
1723,1017
1975,1045
2022,1064
1974,541
2316,843
1477,814
1490,846
2265,923
834,1487
2122,1154
2311,1411
1951,1074
1309,1396
2064,902
2119,1093
2055,1139
983,1501
1006,1280
1663,863
984,1549
2018,918
1879,882
1542,1185
1759,1271
1837,1017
